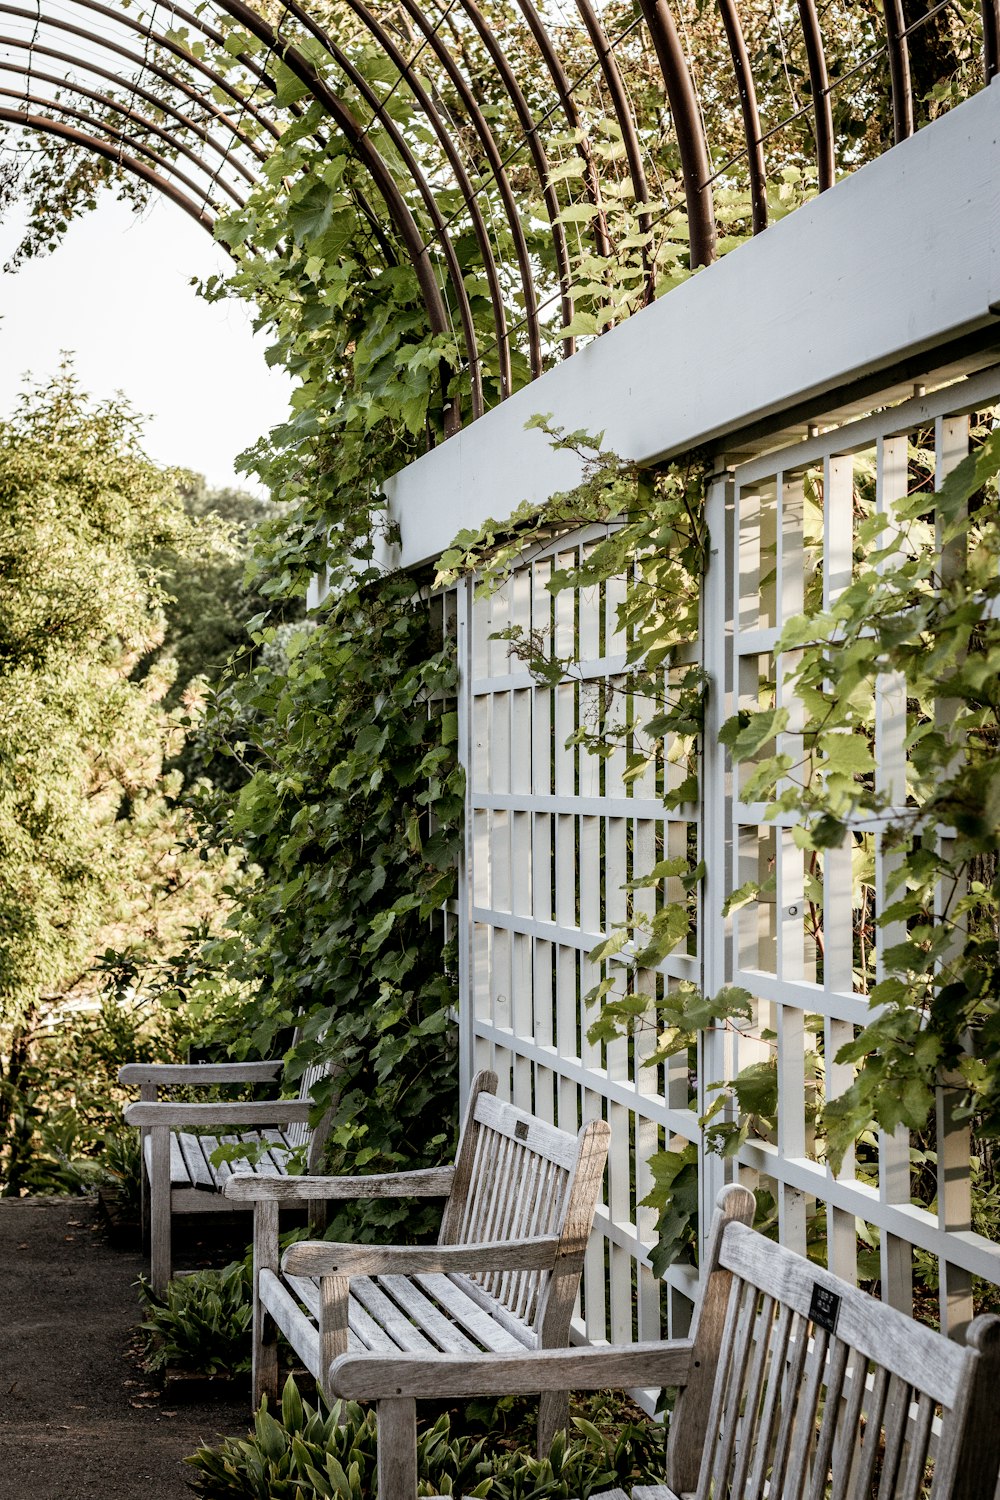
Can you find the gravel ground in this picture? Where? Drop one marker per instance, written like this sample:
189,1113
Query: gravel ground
77,1416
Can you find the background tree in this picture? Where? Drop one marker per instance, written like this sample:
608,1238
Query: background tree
115,592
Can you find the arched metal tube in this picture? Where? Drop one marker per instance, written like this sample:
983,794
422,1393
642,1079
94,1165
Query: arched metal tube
217,79
619,103
748,107
898,53
107,101
819,83
691,141
489,145
564,93
135,90
991,39
49,126
399,211
420,181
201,98
538,155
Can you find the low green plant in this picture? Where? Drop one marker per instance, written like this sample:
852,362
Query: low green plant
121,1169
311,1453
201,1323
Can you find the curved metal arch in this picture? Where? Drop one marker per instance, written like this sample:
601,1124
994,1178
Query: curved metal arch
107,101
619,103
59,108
378,169
820,85
469,193
108,44
218,80
489,145
398,211
748,108
237,130
538,155
47,125
691,142
37,49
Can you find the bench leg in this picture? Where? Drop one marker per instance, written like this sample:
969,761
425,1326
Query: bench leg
553,1417
159,1208
144,1195
333,1300
397,1449
265,1331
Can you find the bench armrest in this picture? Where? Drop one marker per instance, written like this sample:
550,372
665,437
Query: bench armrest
373,1377
436,1182
327,1258
169,1074
265,1112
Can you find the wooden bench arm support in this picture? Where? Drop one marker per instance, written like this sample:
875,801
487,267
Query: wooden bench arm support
198,1074
173,1112
374,1377
435,1182
326,1258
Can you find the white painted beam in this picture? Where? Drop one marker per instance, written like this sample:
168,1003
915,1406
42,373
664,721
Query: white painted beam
897,259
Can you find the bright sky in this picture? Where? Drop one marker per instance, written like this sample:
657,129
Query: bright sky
117,294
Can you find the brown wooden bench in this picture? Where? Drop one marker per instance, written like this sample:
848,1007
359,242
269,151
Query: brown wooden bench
179,1138
793,1386
502,1278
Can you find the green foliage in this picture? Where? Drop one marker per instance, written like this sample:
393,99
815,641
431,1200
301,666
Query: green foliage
310,1453
351,819
95,846
81,732
62,1101
201,1323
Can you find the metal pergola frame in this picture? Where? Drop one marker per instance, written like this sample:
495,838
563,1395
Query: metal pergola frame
167,97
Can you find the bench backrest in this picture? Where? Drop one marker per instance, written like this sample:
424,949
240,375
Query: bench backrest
517,1177
818,1390
313,1137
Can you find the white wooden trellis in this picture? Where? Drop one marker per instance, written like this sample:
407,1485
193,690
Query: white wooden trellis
553,833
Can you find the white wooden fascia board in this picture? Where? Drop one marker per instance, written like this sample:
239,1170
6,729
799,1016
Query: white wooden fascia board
896,259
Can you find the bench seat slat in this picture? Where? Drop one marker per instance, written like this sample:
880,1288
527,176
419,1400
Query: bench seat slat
300,1332
468,1313
442,1330
179,1174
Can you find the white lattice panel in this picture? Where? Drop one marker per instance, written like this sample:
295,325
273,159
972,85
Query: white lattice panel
554,834
809,949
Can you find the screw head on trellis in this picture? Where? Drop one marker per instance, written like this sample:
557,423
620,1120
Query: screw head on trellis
793,911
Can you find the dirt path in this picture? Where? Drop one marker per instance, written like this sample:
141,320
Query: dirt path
77,1418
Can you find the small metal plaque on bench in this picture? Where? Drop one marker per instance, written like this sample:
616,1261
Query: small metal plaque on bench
521,1129
824,1307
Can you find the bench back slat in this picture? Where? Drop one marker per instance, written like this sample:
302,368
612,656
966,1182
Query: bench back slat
518,1177
820,1392
885,1335
300,1133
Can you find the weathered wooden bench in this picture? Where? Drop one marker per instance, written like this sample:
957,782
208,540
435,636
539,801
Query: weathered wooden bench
502,1278
793,1385
179,1139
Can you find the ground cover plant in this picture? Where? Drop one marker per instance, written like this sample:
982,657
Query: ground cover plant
307,1452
